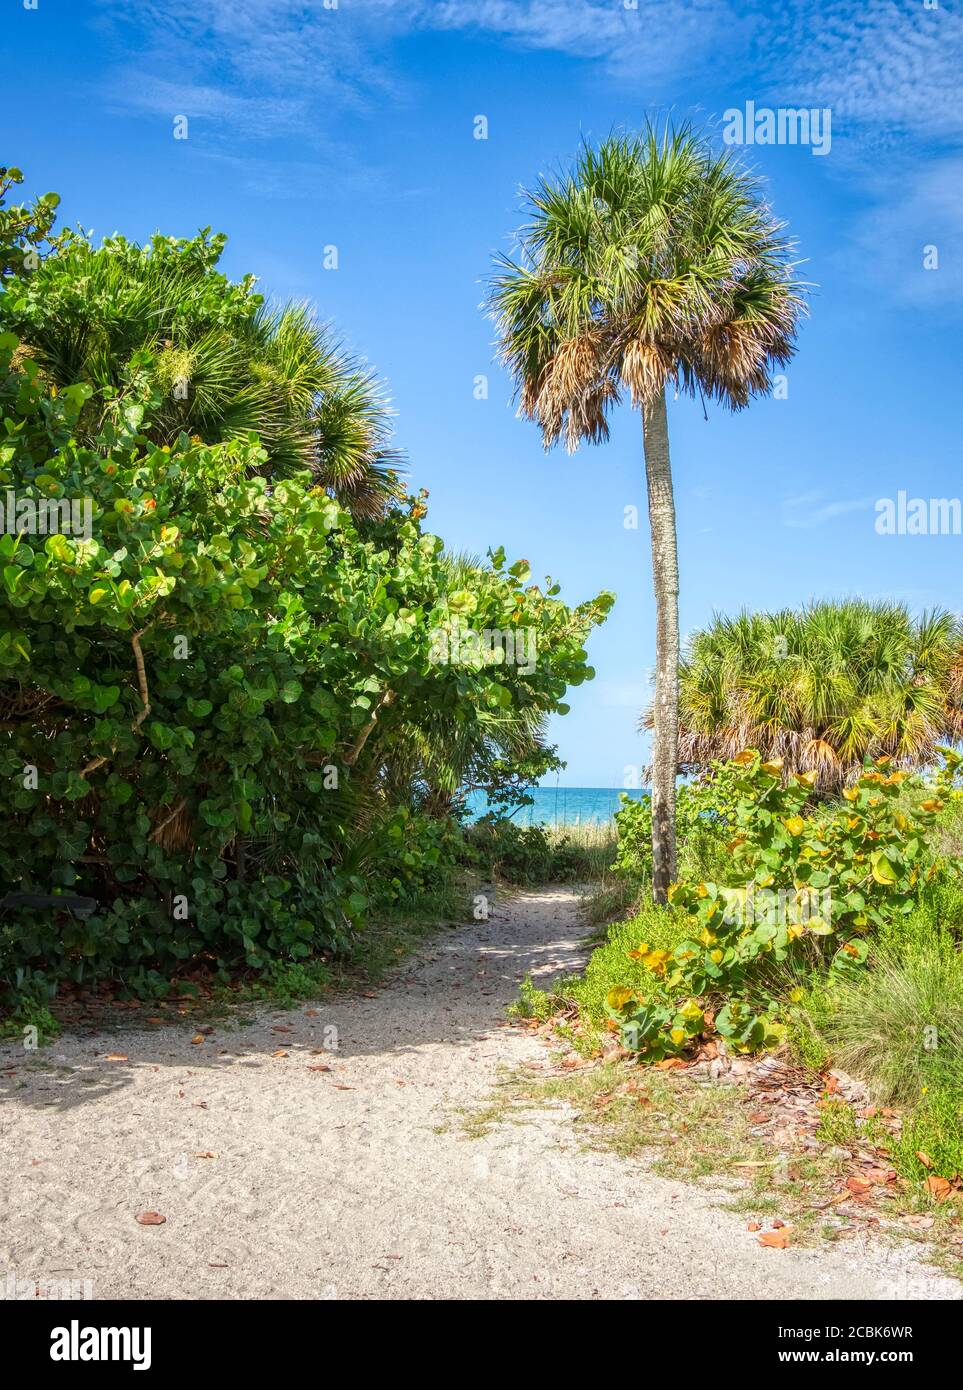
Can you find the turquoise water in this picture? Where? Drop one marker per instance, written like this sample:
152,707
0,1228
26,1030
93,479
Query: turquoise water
563,805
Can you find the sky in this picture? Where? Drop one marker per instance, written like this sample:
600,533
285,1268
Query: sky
353,124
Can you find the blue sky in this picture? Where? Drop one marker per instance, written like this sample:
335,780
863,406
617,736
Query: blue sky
353,126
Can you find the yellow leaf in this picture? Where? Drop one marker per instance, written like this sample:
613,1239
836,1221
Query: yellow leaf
883,871
744,758
931,805
618,997
850,793
808,779
795,825
678,1036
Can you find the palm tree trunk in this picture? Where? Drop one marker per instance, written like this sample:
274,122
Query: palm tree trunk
665,578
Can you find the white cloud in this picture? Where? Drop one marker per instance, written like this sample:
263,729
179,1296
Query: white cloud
887,69
809,509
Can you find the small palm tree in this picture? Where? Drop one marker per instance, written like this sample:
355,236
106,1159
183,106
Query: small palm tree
225,364
654,262
823,688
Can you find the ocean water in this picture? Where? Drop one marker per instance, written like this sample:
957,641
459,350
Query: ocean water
563,805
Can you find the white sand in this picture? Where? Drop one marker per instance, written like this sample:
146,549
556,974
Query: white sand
357,1193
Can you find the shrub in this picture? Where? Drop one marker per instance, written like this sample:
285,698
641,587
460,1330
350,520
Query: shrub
206,700
899,1024
616,963
860,860
705,814
533,854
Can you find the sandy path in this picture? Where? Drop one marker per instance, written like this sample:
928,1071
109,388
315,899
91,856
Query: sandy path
362,1192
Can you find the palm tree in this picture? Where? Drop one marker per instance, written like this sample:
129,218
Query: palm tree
225,364
654,262
823,688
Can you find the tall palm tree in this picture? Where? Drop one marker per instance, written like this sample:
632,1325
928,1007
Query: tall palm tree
823,688
225,363
654,262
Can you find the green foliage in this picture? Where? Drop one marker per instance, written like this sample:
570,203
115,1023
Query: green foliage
207,701
800,887
837,1122
823,688
286,983
25,230
30,1015
898,1025
532,1002
705,812
934,1127
222,364
616,963
631,263
413,857
532,854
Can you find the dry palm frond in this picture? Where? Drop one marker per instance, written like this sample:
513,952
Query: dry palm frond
646,368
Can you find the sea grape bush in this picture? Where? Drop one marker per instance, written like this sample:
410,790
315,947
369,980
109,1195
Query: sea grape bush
202,707
862,860
704,810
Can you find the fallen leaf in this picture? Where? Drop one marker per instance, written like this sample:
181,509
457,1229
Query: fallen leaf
920,1223
858,1184
281,1028
319,1067
939,1188
776,1240
150,1218
880,1175
753,1226
207,1154
197,1038
778,1225
924,1158
280,1053
116,1057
